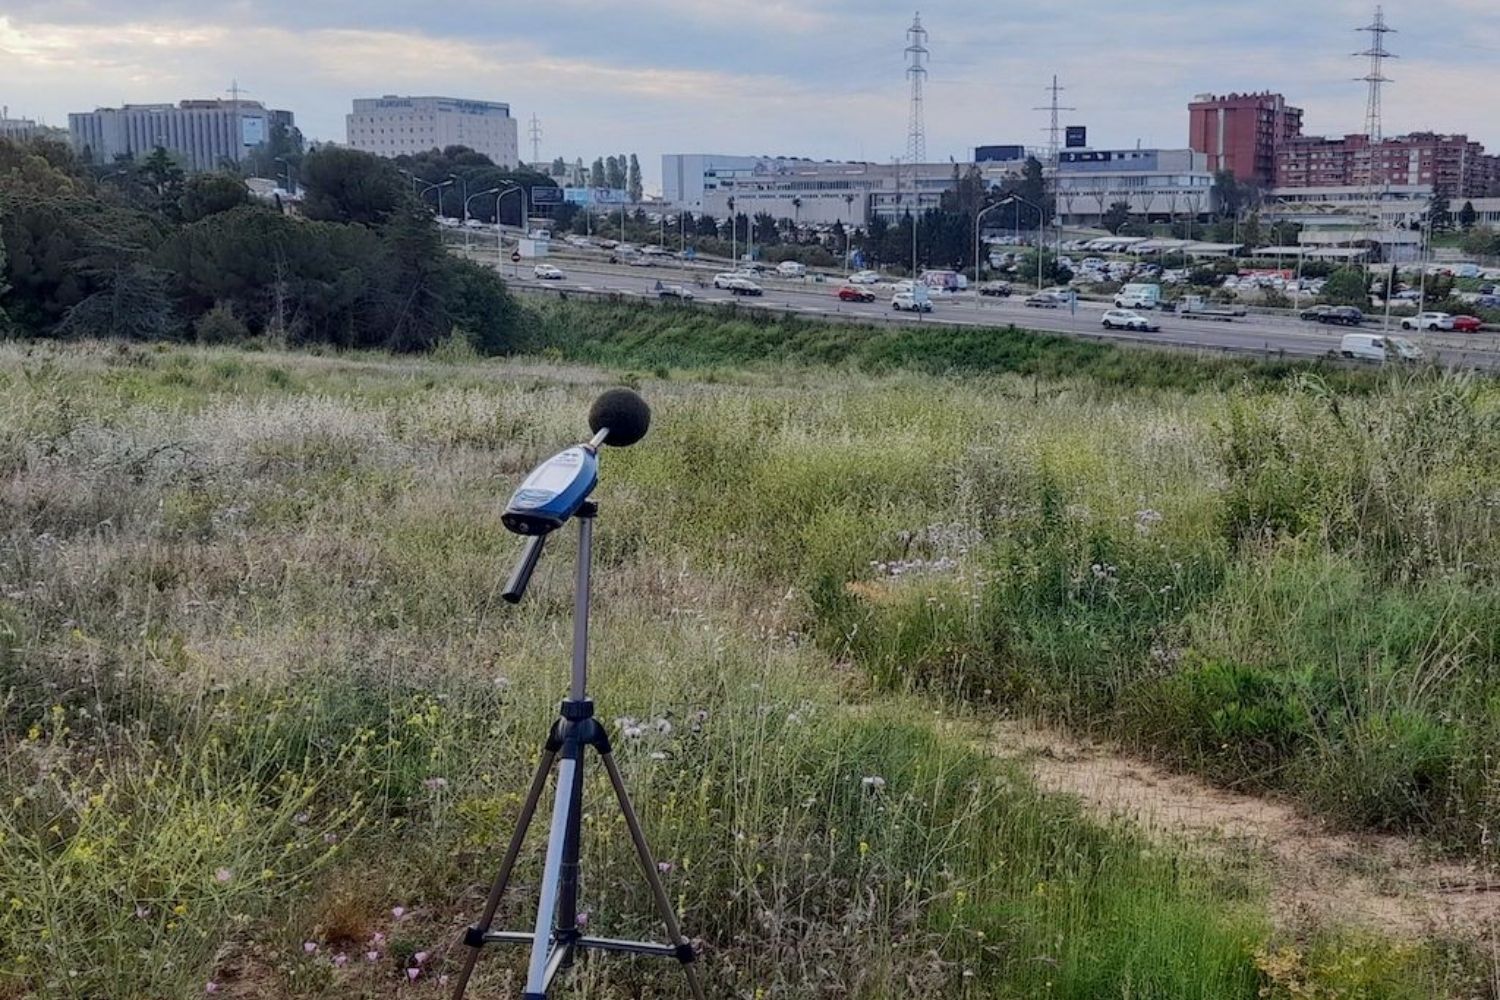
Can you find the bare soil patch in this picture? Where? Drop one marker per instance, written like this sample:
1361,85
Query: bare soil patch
1315,874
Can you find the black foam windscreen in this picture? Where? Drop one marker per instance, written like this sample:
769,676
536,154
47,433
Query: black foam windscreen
624,412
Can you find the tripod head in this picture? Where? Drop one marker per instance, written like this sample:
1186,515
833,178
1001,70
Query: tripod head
559,488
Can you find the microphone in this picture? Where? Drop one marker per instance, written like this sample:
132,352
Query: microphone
554,490
621,415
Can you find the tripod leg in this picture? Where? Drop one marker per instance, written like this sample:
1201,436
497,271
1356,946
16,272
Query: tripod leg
653,877
546,911
474,937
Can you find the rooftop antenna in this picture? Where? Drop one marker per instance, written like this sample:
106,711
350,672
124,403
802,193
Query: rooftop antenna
916,72
1055,129
536,141
1377,55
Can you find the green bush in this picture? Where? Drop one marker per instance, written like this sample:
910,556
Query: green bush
220,326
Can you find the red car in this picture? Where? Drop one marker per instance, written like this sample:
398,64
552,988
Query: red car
1467,324
851,294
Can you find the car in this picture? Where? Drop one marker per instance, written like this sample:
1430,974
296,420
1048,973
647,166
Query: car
540,234
1374,347
1126,319
996,289
849,293
864,278
908,302
1467,324
1044,300
1428,321
724,280
744,286
641,261
547,272
673,292
1333,315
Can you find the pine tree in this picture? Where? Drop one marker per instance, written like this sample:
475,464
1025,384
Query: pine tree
596,175
633,182
4,320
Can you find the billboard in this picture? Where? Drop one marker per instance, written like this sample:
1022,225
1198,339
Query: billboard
999,154
596,196
543,197
1076,136
252,131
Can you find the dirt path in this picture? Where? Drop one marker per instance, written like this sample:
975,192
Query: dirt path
1314,875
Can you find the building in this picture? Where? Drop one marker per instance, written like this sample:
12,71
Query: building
1000,154
1243,133
1159,185
406,126
1451,165
201,135
811,191
16,128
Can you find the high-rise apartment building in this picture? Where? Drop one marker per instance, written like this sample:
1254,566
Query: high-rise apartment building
1451,165
406,126
1243,133
203,135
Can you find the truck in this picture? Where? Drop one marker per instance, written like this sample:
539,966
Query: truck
1138,296
1197,307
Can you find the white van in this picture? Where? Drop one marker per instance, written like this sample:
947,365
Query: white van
1138,296
791,269
1376,347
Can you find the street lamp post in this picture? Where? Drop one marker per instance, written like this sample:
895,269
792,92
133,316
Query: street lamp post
500,230
1040,244
734,226
469,198
438,187
977,218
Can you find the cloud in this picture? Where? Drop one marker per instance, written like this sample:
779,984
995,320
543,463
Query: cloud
821,78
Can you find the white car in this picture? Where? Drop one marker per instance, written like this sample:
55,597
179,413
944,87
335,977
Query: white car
864,278
1428,321
547,272
1374,347
907,302
1125,319
727,278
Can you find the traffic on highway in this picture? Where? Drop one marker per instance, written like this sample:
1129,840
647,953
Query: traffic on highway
867,296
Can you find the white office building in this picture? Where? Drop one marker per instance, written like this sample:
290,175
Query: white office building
406,126
16,128
1158,184
811,191
201,135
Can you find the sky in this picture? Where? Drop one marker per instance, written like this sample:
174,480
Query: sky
818,78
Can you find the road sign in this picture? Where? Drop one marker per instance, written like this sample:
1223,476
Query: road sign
1076,136
542,197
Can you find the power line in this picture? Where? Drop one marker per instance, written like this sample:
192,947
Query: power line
536,140
1055,129
1377,55
916,72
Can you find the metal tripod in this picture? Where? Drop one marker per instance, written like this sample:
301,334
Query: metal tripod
556,940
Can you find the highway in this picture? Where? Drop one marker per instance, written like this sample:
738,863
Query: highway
1266,336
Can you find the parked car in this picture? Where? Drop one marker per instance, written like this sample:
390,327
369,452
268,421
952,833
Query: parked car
1126,319
547,272
996,289
744,286
849,293
1428,321
908,302
673,292
1044,300
1467,324
1375,347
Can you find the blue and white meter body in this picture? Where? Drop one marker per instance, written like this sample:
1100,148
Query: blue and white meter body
553,492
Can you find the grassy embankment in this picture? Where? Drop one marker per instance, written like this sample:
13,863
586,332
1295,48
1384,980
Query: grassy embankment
259,688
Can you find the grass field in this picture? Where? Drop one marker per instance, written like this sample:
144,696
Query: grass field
266,721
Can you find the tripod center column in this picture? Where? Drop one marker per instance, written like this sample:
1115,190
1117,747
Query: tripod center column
579,689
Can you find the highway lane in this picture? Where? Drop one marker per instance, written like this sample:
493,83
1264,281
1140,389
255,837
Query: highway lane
1260,335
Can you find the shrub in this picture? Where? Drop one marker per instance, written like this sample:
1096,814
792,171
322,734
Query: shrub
220,326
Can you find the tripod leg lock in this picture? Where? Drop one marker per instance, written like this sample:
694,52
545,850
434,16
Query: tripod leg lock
685,953
474,936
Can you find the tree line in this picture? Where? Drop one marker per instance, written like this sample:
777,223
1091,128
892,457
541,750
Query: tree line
138,249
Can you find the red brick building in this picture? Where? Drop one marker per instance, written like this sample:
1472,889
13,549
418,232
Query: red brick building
1243,133
1451,164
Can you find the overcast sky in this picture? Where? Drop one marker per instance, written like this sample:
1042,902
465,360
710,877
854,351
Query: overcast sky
818,78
